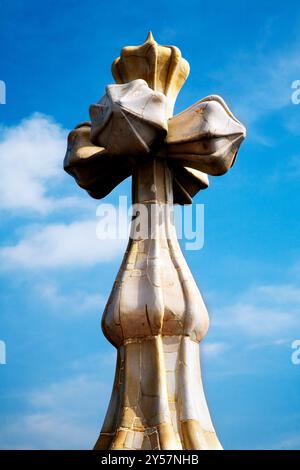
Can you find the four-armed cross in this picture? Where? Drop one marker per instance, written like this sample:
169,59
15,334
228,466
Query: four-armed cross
155,315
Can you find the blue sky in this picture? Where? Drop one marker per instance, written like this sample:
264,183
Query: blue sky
55,275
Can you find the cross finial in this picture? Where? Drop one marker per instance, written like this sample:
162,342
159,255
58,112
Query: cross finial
134,120
155,315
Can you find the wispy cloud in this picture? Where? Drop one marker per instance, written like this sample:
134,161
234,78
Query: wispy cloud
267,311
57,245
77,302
214,349
55,418
31,155
262,80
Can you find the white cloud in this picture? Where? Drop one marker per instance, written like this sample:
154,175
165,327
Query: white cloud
42,431
63,415
263,81
56,245
280,294
57,395
90,363
268,311
214,350
31,156
77,302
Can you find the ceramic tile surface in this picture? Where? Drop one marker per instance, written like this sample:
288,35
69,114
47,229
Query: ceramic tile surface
155,315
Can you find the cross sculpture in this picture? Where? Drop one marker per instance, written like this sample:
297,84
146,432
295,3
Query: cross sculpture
155,315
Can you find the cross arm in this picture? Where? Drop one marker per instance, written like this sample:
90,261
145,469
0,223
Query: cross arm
205,137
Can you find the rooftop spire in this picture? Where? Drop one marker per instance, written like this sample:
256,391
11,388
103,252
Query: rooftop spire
150,37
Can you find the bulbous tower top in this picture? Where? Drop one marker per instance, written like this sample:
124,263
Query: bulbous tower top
162,67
